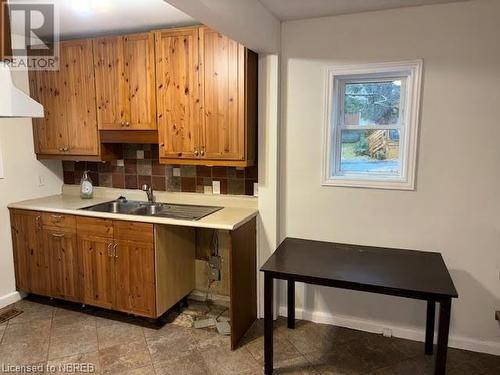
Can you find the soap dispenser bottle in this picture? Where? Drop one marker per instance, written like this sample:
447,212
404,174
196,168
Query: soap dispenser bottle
86,188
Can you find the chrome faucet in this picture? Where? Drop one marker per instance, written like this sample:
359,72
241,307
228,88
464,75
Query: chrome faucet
149,191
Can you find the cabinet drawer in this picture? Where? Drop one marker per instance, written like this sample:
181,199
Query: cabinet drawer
94,226
133,231
56,220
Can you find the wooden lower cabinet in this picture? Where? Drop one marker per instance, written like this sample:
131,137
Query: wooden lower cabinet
97,271
135,278
118,265
61,248
30,257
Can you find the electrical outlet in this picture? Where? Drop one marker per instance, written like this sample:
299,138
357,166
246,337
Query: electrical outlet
216,187
140,154
176,172
120,163
41,180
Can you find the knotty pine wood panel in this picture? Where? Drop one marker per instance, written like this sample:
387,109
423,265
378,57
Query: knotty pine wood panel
78,96
223,104
61,246
97,270
50,132
177,84
140,81
109,82
21,247
135,278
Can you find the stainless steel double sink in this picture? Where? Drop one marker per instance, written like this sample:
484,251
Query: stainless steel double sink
173,211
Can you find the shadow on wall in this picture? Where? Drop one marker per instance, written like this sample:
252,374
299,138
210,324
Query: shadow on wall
378,310
471,295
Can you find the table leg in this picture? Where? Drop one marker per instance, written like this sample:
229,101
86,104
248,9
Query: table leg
443,330
268,324
291,304
429,327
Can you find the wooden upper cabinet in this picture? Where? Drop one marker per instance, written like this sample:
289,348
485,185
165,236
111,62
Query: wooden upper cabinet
109,82
124,80
50,132
68,96
226,97
223,70
177,85
78,96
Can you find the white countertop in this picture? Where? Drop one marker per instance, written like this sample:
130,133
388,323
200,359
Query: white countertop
236,212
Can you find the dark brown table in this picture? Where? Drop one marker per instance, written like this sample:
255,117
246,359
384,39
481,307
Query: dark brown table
405,273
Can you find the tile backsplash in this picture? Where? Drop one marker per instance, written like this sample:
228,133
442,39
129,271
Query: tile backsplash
140,166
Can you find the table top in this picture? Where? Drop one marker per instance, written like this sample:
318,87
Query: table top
407,273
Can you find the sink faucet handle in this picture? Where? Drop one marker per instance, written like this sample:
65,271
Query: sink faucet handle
149,191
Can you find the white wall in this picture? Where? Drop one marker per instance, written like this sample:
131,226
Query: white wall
246,21
268,165
456,207
21,171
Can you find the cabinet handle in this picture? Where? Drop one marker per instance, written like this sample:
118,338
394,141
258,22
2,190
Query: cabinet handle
203,151
127,124
61,149
37,221
66,149
58,235
114,250
196,151
109,249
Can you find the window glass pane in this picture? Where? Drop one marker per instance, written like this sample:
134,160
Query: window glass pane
370,151
372,103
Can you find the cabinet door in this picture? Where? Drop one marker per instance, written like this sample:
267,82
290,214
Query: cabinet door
109,82
223,70
97,270
69,126
177,85
124,76
21,248
78,97
139,81
30,258
135,277
50,132
61,247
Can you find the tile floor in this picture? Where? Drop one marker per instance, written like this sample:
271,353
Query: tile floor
46,334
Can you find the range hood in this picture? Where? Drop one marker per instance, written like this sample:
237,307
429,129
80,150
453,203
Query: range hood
14,102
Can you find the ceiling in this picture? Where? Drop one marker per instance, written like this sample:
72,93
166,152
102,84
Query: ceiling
298,9
97,17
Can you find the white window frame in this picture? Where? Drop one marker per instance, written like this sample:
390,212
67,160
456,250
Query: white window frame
337,76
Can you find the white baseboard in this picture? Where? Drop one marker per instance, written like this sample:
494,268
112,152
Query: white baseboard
410,333
11,298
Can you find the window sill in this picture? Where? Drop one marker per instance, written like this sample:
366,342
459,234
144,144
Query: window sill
369,184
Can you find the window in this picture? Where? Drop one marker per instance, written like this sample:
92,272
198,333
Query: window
372,125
